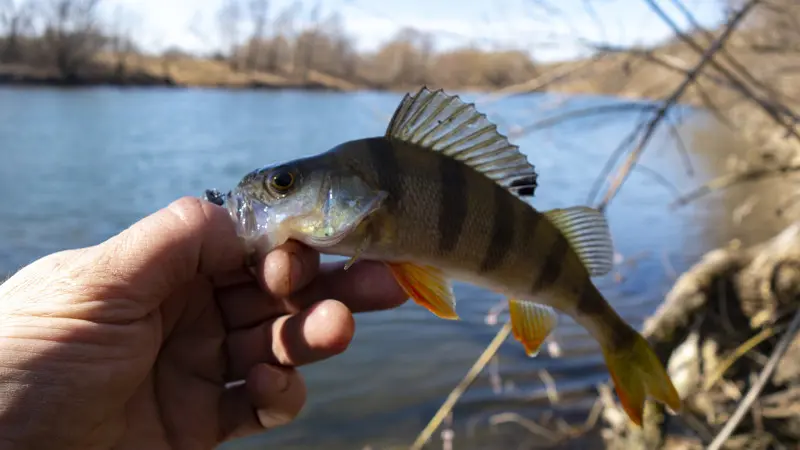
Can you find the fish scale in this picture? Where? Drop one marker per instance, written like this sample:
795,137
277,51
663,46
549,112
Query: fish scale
439,197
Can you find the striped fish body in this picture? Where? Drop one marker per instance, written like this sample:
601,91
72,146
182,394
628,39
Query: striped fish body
444,214
442,196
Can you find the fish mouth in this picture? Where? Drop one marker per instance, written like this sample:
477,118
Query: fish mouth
251,217
241,210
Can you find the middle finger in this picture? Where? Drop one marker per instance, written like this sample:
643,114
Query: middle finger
319,332
284,270
365,286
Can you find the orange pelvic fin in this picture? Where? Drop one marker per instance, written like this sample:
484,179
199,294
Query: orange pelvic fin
428,286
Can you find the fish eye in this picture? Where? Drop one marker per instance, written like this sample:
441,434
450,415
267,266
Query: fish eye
282,181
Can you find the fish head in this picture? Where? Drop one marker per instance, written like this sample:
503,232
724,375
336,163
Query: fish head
313,200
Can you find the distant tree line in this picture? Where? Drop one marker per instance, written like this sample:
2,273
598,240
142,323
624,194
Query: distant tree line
281,46
774,26
66,36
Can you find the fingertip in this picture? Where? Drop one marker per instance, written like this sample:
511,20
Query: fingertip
288,268
371,286
329,327
278,394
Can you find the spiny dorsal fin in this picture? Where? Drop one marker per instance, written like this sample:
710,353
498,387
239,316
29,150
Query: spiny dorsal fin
444,123
587,231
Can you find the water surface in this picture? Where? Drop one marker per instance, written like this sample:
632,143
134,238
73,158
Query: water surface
80,165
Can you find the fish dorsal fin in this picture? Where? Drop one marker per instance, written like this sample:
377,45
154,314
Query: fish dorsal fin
444,123
586,229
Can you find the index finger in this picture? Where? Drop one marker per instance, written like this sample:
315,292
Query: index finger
365,286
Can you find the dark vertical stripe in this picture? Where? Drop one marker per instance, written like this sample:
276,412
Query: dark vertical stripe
592,304
384,161
527,235
551,269
502,230
452,203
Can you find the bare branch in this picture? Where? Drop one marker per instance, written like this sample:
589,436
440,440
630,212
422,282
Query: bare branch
583,113
733,179
774,111
755,389
661,113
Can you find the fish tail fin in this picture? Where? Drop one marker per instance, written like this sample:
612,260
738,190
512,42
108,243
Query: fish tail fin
637,372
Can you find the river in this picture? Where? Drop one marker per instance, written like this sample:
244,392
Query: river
80,165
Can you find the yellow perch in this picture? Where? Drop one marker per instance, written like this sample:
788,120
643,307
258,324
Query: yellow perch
440,197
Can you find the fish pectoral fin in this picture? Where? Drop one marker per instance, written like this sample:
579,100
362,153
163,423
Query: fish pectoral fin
531,323
364,244
428,286
586,229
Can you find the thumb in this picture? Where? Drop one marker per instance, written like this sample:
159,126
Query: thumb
168,249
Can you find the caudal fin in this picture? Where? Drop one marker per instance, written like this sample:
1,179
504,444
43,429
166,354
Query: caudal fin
637,374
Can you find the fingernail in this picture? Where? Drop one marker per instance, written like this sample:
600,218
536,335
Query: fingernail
272,419
272,380
296,270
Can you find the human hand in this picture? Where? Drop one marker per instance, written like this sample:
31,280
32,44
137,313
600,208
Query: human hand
128,344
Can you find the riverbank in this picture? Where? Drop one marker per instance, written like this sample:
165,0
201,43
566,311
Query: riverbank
184,72
632,73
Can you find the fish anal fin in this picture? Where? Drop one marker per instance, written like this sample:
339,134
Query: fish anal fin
531,323
440,122
428,287
587,231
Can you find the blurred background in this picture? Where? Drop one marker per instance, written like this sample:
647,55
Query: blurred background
657,111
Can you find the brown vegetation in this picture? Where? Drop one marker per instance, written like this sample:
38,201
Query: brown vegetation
63,41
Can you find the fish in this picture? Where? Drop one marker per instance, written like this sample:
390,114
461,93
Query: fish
442,196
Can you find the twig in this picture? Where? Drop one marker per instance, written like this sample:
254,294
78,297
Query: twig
663,61
528,424
660,179
682,149
594,415
550,386
622,175
581,113
459,390
729,180
752,394
618,152
735,64
492,316
668,267
537,83
770,109
738,353
711,107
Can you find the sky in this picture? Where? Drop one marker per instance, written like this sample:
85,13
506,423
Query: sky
549,29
